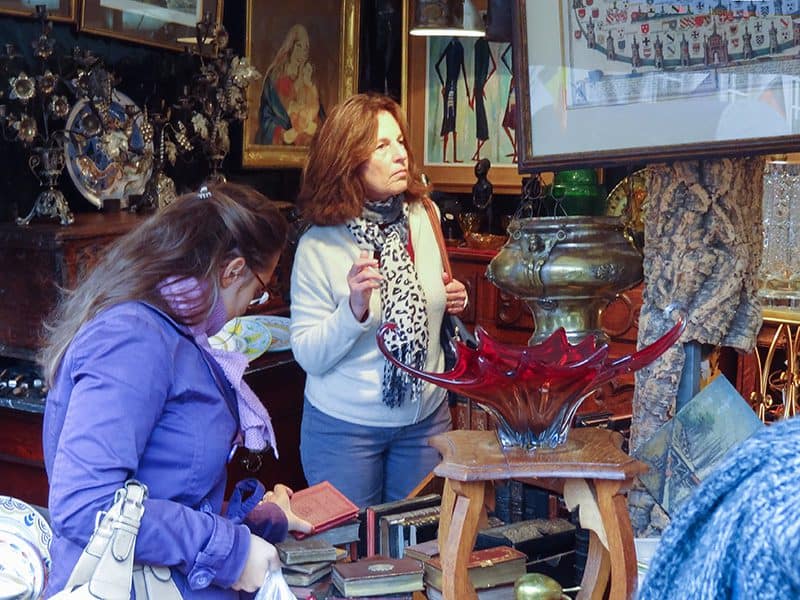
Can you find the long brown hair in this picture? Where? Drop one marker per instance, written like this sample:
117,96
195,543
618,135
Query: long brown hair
332,191
195,236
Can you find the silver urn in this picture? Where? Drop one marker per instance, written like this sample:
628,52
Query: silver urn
567,270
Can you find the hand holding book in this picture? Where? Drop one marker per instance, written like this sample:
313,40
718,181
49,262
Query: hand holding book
281,495
323,506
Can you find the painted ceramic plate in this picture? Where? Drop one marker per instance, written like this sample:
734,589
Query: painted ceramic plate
22,519
226,341
279,328
21,567
246,335
111,159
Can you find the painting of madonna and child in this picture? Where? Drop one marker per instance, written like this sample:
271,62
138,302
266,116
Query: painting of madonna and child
299,56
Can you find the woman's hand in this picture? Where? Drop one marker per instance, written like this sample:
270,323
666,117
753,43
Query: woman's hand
261,559
280,495
362,278
456,295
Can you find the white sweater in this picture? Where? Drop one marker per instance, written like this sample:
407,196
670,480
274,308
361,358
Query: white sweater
340,356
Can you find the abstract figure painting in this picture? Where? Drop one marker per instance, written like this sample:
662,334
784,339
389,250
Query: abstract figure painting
462,109
307,66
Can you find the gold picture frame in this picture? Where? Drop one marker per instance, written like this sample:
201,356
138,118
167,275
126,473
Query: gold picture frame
57,10
425,120
144,23
277,136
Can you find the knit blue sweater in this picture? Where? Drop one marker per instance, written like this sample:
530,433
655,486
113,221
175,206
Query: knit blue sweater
738,536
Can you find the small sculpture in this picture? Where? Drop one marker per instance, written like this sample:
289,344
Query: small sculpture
482,191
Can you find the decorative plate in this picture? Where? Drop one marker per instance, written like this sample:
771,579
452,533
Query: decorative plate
245,334
627,200
21,568
110,159
22,519
279,328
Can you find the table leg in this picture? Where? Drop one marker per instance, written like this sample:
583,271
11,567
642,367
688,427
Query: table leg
619,532
462,504
596,572
604,511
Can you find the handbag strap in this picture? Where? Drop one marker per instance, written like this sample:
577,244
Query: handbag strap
437,232
106,564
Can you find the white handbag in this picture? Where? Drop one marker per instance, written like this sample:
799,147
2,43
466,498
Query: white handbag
105,568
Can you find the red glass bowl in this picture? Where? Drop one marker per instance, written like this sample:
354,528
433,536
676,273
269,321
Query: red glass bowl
534,391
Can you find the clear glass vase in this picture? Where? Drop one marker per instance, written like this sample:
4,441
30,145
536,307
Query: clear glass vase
779,274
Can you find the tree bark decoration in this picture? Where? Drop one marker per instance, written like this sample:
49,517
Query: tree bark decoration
702,253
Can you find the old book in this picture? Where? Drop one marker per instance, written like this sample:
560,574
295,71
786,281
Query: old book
318,590
306,579
323,506
378,575
344,533
537,538
500,592
292,552
307,568
336,596
685,449
375,512
422,551
486,568
398,529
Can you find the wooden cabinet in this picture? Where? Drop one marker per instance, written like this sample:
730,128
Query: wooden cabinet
38,259
508,319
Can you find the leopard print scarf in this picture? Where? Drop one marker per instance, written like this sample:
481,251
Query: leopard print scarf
383,227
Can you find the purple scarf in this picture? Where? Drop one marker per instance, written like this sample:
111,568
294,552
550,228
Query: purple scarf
183,295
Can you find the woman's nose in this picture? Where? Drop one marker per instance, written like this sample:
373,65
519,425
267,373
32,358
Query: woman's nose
400,152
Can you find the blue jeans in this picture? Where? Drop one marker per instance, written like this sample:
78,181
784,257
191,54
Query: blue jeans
369,465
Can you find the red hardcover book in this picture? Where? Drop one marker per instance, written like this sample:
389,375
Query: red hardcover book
323,506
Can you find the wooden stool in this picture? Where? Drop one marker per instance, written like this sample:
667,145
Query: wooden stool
590,470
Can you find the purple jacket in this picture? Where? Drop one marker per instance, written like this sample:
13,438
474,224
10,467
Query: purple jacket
137,397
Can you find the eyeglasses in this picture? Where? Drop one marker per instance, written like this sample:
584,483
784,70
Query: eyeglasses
264,297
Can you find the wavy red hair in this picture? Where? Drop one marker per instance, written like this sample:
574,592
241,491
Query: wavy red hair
332,190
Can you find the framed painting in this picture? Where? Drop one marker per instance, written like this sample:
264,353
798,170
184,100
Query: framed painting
57,10
169,24
307,66
605,82
461,107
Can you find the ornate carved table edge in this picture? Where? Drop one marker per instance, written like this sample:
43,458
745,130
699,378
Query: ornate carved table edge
589,452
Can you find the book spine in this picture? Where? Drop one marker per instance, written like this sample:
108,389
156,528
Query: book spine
516,501
371,529
502,500
537,503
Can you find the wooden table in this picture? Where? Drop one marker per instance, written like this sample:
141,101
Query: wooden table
590,470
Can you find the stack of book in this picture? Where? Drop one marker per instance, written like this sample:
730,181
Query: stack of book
548,544
537,538
304,562
378,576
492,572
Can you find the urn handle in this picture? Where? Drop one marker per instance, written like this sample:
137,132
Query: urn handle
539,249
